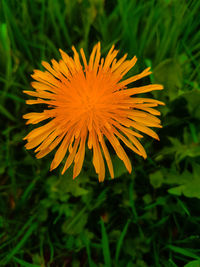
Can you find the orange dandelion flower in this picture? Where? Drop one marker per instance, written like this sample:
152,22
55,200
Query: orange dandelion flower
88,104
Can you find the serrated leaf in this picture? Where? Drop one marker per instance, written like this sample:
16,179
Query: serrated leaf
188,183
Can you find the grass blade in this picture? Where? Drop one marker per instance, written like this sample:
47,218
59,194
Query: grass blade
21,243
105,245
25,264
183,252
119,243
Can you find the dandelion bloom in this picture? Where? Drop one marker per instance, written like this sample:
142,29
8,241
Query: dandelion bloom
89,103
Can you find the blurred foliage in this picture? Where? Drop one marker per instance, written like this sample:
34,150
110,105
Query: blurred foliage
148,218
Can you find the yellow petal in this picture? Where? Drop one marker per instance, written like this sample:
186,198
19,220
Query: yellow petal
145,130
107,156
34,117
143,74
119,149
61,152
71,155
48,149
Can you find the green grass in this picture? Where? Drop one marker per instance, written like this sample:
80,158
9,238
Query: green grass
148,218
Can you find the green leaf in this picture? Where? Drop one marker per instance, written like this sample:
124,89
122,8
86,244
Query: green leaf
189,183
195,263
184,252
75,225
105,245
169,73
86,240
119,168
120,241
25,263
193,99
180,150
156,179
21,242
59,188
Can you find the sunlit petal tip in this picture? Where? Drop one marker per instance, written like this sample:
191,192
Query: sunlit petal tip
134,59
52,166
61,51
89,102
157,138
129,170
44,63
160,87
24,116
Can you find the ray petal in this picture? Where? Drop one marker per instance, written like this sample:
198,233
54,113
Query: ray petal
145,130
107,156
98,159
143,74
118,149
34,117
49,148
71,155
61,152
79,158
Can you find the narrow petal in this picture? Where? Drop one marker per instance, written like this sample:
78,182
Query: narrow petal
35,141
46,143
97,58
142,89
126,66
143,116
134,140
77,59
84,58
98,159
125,141
43,94
49,148
143,74
40,130
61,152
91,60
79,158
107,156
116,64
71,155
34,117
49,68
145,130
150,110
122,128
144,100
68,61
110,57
119,150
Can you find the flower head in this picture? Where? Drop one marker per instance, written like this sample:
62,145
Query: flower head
87,104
